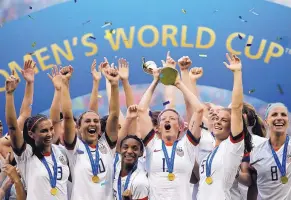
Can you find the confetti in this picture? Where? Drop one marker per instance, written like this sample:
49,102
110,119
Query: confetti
106,24
99,96
31,53
109,33
166,103
112,31
33,44
203,55
279,38
248,45
240,37
243,20
30,17
280,89
252,91
91,37
252,11
215,11
30,7
143,60
88,21
75,1
184,11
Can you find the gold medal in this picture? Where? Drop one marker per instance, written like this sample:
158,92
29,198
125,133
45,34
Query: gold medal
54,191
171,176
209,180
95,179
284,179
126,193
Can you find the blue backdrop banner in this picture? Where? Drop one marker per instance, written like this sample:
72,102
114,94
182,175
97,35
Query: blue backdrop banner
73,32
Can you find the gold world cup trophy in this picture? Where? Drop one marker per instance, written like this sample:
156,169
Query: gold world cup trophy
168,74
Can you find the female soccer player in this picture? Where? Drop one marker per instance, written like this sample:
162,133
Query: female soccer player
130,181
91,157
271,159
170,160
218,169
43,166
256,128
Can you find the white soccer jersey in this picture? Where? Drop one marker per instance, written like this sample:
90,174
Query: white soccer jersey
160,187
239,191
206,145
83,188
138,184
268,179
223,170
36,176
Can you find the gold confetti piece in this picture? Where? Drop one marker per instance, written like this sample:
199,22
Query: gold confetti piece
33,44
203,55
252,91
99,96
107,35
184,11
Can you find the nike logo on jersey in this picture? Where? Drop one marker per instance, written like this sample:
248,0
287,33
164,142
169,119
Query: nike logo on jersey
157,150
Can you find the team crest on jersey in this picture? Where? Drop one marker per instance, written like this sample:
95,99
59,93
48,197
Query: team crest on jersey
180,151
102,148
63,160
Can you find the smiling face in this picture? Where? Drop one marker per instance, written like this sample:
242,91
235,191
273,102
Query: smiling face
90,127
221,126
130,151
42,133
277,120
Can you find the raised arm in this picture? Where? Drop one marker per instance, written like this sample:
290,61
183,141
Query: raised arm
28,75
195,103
69,124
237,94
14,131
184,64
128,127
103,66
112,122
123,71
144,120
93,105
55,109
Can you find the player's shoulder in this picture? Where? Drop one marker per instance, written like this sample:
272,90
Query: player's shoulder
140,178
